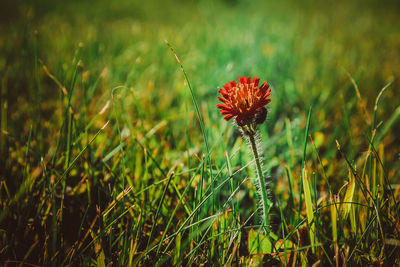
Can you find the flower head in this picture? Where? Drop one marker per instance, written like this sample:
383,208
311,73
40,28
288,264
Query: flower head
244,100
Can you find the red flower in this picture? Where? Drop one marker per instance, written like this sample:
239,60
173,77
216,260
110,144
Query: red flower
243,100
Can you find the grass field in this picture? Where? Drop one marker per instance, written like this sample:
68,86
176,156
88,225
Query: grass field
113,152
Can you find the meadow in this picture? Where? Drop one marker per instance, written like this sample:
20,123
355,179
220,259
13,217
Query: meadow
113,152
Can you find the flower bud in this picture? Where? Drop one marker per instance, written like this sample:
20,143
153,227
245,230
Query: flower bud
261,115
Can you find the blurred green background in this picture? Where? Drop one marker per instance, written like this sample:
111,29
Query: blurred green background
303,48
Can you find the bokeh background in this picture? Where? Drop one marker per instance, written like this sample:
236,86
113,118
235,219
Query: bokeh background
69,67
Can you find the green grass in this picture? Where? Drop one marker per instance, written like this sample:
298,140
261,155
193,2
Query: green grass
113,153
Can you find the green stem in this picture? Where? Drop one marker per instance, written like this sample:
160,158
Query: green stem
267,203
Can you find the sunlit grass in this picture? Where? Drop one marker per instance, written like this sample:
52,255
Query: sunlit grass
111,155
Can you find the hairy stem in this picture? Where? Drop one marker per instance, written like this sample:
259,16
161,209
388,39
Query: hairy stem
266,202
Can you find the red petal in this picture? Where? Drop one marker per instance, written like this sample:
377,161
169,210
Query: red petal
227,87
223,93
233,83
223,100
228,117
256,81
224,112
242,79
223,107
248,80
264,86
267,94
